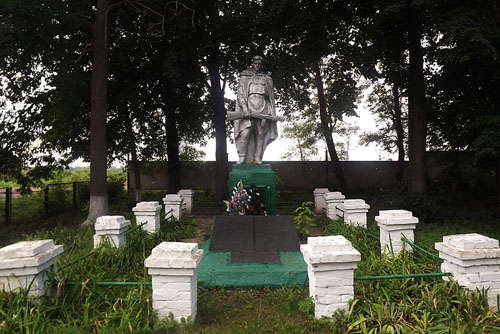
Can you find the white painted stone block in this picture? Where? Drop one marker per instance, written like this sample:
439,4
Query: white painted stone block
148,213
474,262
27,264
394,224
173,267
330,266
319,200
354,211
112,228
333,199
187,198
173,202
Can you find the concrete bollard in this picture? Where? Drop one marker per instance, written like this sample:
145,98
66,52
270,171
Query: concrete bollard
330,267
27,264
173,202
333,199
187,198
354,211
473,260
173,267
148,213
112,228
319,200
394,224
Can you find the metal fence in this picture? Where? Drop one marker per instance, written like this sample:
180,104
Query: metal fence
53,199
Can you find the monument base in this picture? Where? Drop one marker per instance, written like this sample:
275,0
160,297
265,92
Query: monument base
262,176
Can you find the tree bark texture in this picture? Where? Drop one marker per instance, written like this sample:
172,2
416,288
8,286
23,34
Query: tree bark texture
417,124
398,126
174,168
135,163
98,205
217,99
337,168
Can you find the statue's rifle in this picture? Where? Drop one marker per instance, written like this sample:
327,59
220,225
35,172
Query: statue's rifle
232,116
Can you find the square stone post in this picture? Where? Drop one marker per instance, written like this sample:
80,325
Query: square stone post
173,202
333,199
330,267
112,228
149,213
354,211
319,200
474,262
27,264
187,197
173,267
394,224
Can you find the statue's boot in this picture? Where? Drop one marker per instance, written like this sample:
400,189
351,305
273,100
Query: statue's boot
259,151
242,159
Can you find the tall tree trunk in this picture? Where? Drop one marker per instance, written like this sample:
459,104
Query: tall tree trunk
217,98
398,126
174,168
417,124
337,168
135,163
98,108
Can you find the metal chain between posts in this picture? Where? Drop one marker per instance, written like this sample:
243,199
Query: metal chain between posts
366,278
420,248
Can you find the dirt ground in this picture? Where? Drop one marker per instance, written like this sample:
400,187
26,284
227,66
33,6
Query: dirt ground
203,229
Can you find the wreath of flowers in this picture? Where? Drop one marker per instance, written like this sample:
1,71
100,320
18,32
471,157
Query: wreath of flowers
239,200
245,202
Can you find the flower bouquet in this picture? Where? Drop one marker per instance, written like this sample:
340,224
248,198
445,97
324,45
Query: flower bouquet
239,200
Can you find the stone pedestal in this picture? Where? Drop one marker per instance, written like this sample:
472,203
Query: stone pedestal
173,267
27,264
112,228
333,199
187,198
354,211
474,262
319,200
394,224
173,202
262,176
148,213
330,266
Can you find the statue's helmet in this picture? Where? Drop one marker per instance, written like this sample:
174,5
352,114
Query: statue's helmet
257,57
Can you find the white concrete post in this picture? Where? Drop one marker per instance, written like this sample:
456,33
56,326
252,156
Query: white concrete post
187,197
473,260
148,213
319,200
112,228
173,267
354,211
330,267
394,224
333,199
173,202
27,264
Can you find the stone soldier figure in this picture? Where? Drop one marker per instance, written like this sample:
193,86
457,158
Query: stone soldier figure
255,115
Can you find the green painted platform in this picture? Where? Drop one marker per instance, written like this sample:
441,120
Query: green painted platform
262,176
216,270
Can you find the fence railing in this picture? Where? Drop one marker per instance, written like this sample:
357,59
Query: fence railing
52,199
7,191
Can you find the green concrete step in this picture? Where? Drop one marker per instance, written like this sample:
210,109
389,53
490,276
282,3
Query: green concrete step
215,270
